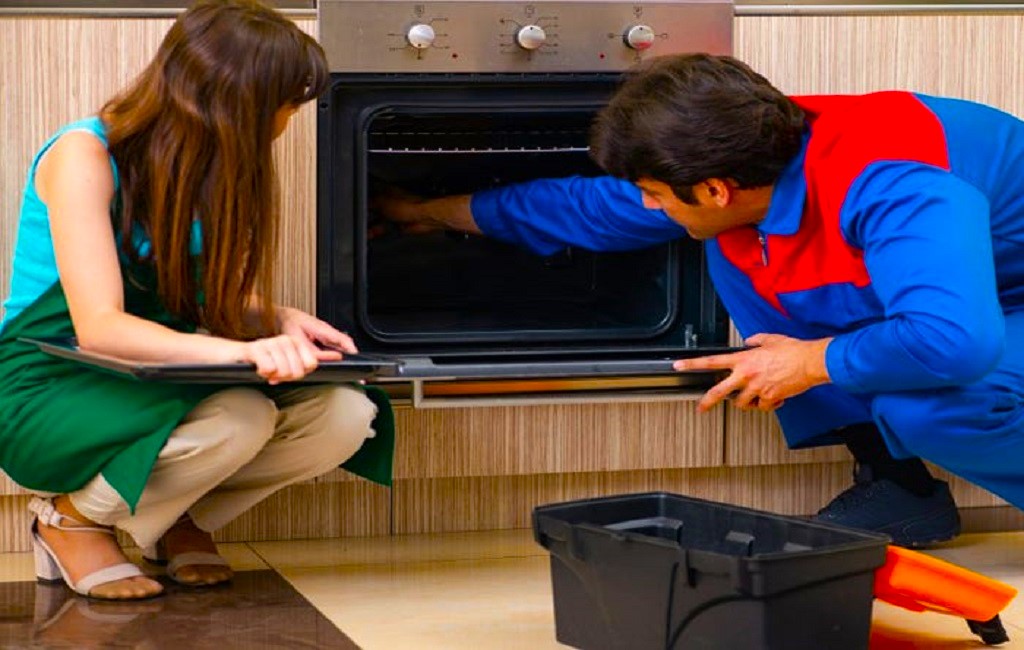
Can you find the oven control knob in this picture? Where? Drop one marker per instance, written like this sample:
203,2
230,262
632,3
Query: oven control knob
639,37
421,36
531,37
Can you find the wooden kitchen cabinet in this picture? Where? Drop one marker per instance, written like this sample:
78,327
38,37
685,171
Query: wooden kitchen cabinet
479,468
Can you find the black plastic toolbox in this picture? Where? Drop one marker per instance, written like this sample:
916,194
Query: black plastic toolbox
663,571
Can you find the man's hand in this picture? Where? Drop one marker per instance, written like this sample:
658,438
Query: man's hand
310,330
762,378
406,210
415,214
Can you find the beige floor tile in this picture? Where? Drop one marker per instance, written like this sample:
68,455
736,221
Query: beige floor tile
898,629
498,604
506,603
401,549
983,550
492,590
16,567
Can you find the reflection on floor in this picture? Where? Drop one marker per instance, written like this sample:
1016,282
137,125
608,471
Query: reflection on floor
259,610
463,591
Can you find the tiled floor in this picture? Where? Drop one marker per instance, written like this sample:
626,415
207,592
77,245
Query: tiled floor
469,591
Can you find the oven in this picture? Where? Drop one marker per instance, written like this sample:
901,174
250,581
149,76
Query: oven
436,98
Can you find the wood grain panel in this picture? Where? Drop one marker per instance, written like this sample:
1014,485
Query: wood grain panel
14,524
304,511
486,503
315,511
967,494
55,70
969,56
7,486
451,504
755,438
564,438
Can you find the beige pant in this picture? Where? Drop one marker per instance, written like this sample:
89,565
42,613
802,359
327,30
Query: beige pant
233,450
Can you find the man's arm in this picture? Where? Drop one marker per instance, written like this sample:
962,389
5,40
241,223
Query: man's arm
602,214
927,246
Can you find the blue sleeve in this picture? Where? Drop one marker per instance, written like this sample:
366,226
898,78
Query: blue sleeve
600,214
928,249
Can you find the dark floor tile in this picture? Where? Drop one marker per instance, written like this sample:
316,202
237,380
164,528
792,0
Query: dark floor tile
257,610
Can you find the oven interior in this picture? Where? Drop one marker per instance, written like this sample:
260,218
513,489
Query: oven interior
456,293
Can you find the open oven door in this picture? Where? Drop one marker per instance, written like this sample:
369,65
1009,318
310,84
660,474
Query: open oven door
520,379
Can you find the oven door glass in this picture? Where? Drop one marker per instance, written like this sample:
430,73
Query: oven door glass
444,286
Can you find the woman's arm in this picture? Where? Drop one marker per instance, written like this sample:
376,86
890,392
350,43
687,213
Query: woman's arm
75,181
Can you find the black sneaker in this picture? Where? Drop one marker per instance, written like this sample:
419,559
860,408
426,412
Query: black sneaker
884,507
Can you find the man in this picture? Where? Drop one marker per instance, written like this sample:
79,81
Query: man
870,247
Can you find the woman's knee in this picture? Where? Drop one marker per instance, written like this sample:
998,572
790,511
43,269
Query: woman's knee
233,423
345,424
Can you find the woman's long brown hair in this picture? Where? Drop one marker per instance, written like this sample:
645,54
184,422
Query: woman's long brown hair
192,141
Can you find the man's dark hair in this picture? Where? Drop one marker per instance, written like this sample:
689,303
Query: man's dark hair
686,118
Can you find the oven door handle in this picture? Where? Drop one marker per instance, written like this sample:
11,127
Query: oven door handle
512,368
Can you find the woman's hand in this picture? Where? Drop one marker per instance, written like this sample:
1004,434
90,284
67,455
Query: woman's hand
279,358
762,378
309,330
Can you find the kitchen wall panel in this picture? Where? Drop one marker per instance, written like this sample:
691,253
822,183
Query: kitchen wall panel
465,469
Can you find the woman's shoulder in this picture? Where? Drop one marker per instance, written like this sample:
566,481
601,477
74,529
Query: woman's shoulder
75,145
78,150
92,124
86,133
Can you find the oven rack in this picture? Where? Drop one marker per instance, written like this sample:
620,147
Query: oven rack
481,141
487,150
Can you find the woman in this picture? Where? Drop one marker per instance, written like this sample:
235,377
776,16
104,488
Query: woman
149,232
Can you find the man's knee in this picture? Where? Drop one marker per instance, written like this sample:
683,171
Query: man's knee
935,422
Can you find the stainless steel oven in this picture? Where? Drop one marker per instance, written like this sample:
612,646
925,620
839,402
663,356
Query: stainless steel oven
451,97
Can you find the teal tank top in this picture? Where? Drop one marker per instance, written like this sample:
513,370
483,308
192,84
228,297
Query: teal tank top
35,268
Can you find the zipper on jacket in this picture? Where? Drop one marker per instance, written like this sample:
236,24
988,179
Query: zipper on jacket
764,248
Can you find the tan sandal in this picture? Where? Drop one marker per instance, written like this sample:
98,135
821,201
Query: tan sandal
157,555
48,566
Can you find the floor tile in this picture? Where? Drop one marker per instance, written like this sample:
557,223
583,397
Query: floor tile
400,549
466,592
456,591
984,550
898,629
16,567
496,604
257,610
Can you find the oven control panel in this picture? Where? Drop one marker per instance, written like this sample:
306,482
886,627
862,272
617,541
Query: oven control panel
510,36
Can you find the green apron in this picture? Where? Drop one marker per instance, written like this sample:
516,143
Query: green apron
62,423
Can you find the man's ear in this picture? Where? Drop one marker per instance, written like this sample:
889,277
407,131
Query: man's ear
649,201
718,191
